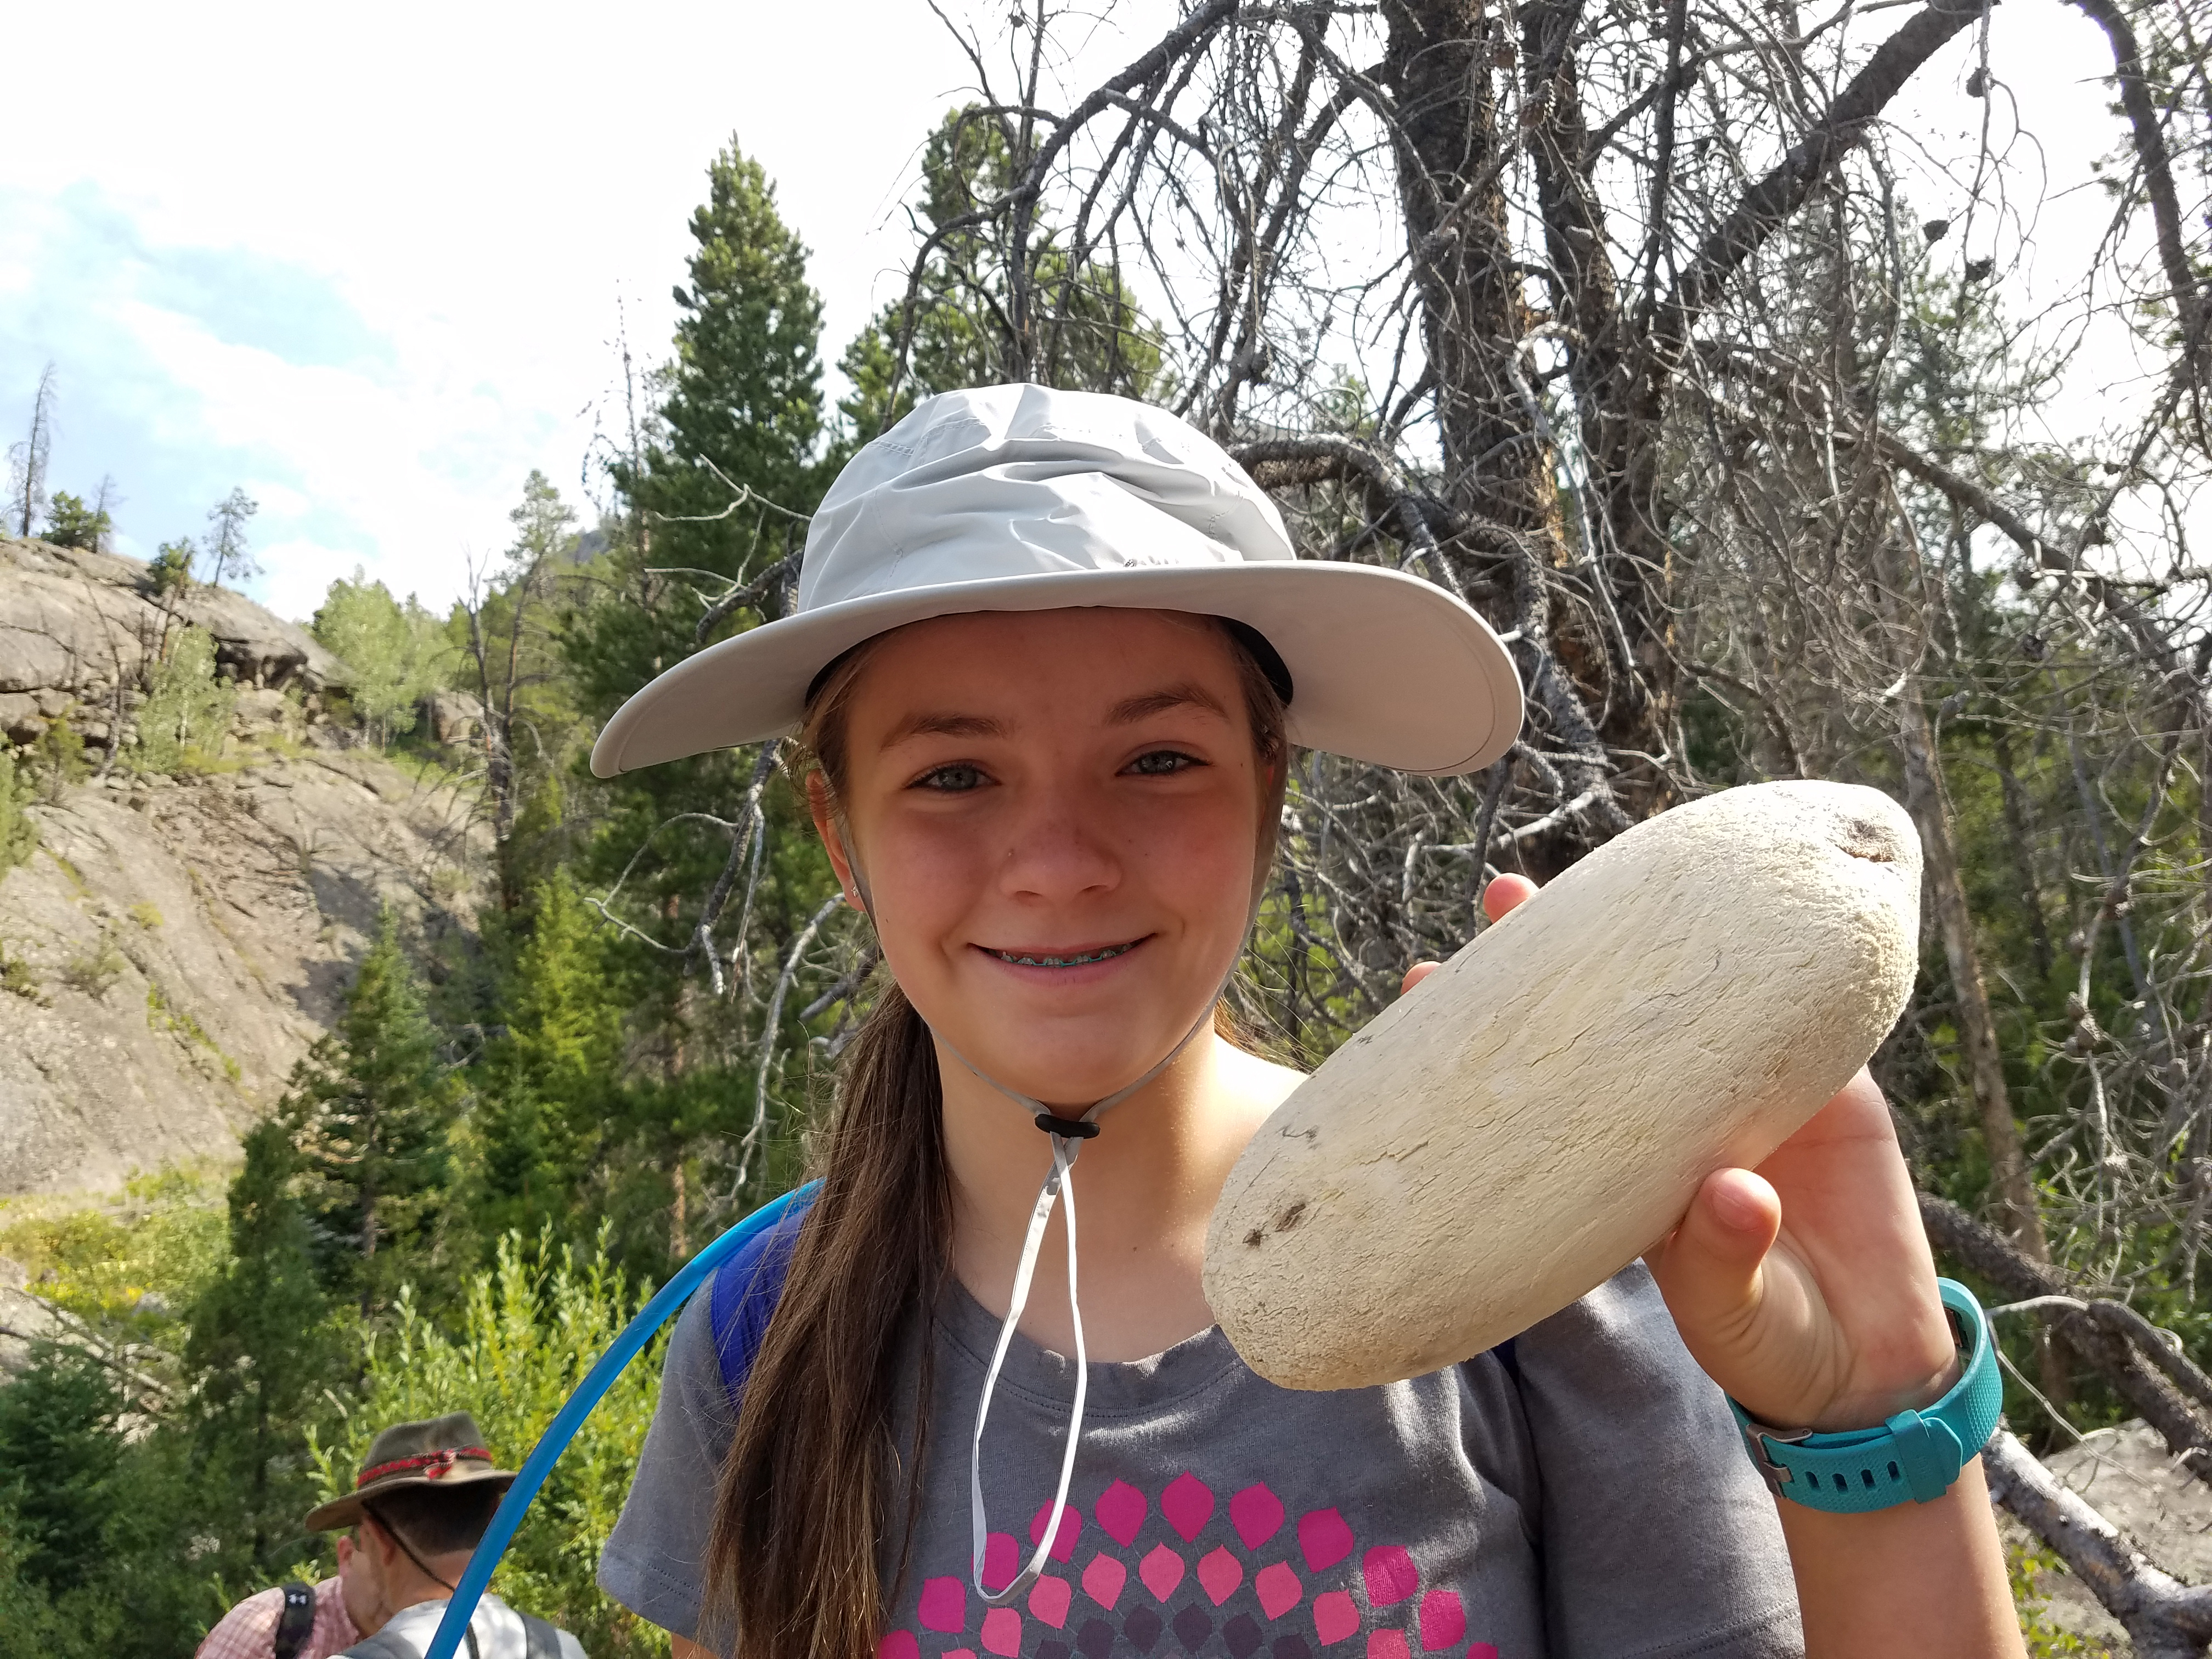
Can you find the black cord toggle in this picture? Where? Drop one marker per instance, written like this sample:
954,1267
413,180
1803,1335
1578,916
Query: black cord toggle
1066,1129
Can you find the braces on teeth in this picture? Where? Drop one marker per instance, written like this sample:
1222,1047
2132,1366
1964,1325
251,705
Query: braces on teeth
1111,951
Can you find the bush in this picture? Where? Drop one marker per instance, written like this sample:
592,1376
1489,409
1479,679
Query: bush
71,523
93,971
18,831
531,1327
186,713
56,760
171,570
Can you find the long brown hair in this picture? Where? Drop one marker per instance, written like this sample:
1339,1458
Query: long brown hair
808,1491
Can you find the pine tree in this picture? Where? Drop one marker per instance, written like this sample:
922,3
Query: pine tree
60,1452
552,1081
260,1351
369,1108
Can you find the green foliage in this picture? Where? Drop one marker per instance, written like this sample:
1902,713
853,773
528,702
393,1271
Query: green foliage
2027,1566
18,831
93,971
367,1108
19,978
54,761
550,1082
59,1453
185,715
398,653
528,1329
261,1351
1089,333
171,570
163,1239
71,523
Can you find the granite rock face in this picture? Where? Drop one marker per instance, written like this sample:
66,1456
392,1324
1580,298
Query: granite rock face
77,628
175,945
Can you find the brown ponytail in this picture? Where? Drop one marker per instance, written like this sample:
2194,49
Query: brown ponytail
807,1494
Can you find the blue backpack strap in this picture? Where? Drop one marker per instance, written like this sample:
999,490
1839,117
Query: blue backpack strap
744,1291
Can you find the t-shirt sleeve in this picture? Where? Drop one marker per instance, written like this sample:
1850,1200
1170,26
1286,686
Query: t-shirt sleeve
1658,1540
654,1563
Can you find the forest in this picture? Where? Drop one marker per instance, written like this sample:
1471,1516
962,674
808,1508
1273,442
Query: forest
1659,334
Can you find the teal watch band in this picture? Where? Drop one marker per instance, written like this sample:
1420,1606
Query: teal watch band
1915,1454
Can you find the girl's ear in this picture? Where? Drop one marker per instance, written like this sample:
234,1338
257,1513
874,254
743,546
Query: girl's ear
830,827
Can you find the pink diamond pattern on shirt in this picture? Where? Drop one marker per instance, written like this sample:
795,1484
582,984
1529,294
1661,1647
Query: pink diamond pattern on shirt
1187,1504
1162,1571
1050,1599
1324,1538
1334,1617
1257,1515
1390,1575
1219,1573
944,1605
1279,1589
1063,1542
1002,1632
1103,1578
1002,1561
1443,1621
1121,1511
1198,1604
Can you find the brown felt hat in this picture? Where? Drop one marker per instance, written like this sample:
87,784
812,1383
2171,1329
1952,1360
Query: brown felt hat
446,1451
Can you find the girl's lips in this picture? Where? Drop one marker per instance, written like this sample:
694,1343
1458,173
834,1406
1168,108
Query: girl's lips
1083,958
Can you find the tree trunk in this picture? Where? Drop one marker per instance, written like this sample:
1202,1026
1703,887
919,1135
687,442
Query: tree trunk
1977,1030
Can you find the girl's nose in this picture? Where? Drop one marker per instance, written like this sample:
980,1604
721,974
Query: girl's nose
1056,847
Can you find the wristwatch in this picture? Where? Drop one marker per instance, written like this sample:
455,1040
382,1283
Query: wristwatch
1915,1454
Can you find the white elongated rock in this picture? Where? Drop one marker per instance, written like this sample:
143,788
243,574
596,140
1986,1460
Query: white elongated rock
1541,1110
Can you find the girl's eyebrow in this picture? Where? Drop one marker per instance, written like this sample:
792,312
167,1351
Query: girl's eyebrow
929,724
1188,693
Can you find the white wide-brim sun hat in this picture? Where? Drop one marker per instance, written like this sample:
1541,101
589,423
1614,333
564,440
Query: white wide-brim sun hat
1024,498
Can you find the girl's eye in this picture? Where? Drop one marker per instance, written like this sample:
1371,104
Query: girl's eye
1162,763
958,779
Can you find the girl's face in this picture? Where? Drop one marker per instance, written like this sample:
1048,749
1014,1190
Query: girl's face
1056,816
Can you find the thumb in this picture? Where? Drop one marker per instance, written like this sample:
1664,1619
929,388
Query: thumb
1709,1268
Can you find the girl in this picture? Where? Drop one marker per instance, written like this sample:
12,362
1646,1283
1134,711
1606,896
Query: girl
1050,654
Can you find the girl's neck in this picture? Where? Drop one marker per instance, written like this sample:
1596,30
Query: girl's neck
1145,1189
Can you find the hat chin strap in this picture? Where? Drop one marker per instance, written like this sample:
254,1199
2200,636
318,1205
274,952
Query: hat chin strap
1067,1136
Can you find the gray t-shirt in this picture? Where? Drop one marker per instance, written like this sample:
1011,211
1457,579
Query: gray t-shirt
1588,1498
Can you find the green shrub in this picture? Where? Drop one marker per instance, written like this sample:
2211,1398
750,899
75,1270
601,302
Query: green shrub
18,831
18,976
186,713
93,971
531,1327
71,522
57,759
171,570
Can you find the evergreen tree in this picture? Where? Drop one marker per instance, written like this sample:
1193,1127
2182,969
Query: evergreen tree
369,1108
261,1350
1090,335
70,522
59,1452
552,1080
226,549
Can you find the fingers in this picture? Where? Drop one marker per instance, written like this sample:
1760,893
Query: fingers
1504,893
1416,974
1709,1269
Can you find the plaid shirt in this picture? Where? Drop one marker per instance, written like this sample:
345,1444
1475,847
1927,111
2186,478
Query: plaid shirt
248,1630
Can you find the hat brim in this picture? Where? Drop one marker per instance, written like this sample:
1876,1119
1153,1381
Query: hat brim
1385,668
343,1512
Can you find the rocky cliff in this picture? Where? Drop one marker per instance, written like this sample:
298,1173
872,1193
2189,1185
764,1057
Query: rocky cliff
175,944
77,628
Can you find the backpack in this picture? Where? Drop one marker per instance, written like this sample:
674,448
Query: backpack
741,1297
744,1290
545,1642
297,1622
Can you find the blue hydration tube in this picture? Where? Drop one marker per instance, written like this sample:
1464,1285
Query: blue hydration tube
570,1417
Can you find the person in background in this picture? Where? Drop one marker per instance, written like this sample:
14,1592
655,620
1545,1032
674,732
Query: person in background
422,1500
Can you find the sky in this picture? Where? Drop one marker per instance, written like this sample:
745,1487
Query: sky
371,265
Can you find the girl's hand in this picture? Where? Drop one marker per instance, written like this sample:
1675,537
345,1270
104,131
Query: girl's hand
1804,1288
